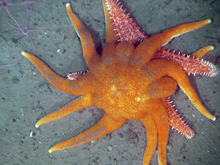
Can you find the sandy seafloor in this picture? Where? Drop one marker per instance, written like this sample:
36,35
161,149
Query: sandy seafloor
28,96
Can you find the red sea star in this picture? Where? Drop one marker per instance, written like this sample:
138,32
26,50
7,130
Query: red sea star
126,82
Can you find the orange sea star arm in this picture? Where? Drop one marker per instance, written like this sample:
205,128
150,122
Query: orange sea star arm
174,71
201,52
79,103
148,47
151,133
103,127
160,117
90,55
161,88
82,86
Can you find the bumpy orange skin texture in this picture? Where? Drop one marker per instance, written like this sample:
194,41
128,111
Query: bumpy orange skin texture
126,83
121,89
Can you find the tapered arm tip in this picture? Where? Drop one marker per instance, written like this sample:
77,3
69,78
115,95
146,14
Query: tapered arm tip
211,47
214,118
50,150
36,125
23,53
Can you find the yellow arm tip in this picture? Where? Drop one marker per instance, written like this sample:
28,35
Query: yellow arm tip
211,47
53,149
23,53
50,151
39,123
26,54
36,125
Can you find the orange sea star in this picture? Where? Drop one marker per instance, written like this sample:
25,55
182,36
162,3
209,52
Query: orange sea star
126,82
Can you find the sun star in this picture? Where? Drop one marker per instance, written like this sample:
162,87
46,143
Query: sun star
126,82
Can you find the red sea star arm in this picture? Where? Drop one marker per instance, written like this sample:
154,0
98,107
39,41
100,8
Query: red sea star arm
126,29
148,47
176,121
174,71
151,135
111,33
90,55
190,64
103,127
82,86
79,103
76,75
